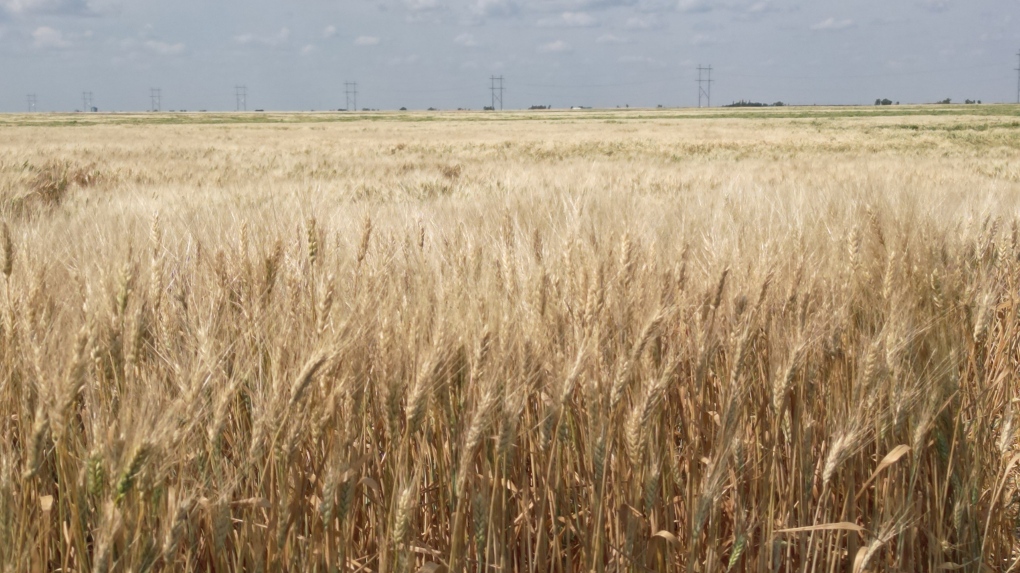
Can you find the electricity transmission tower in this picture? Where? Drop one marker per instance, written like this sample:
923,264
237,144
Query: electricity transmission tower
241,97
496,86
156,95
351,91
705,79
1018,80
31,103
86,101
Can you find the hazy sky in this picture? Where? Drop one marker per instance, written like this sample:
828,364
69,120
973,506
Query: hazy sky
296,55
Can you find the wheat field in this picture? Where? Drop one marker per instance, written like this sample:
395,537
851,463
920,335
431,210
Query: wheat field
604,341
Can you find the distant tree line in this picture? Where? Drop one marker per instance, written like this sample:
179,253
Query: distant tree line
744,103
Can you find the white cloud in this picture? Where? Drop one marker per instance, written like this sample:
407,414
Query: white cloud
272,40
495,7
570,20
45,37
329,31
647,22
611,39
421,5
757,11
45,6
466,40
557,47
308,50
935,5
640,60
694,6
760,8
164,49
366,41
584,13
404,61
424,10
704,40
833,24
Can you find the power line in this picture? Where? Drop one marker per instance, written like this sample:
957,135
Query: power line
1018,80
241,97
156,95
867,76
670,79
351,91
86,102
702,82
31,103
496,86
661,80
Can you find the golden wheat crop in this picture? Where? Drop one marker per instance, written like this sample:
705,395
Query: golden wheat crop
596,342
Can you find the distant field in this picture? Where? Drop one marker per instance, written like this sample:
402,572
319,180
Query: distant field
788,112
635,340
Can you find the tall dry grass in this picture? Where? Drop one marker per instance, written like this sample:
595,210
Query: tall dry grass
703,346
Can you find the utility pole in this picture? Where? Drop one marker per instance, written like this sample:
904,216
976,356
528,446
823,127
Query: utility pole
31,103
241,97
705,79
496,86
155,94
351,91
86,102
